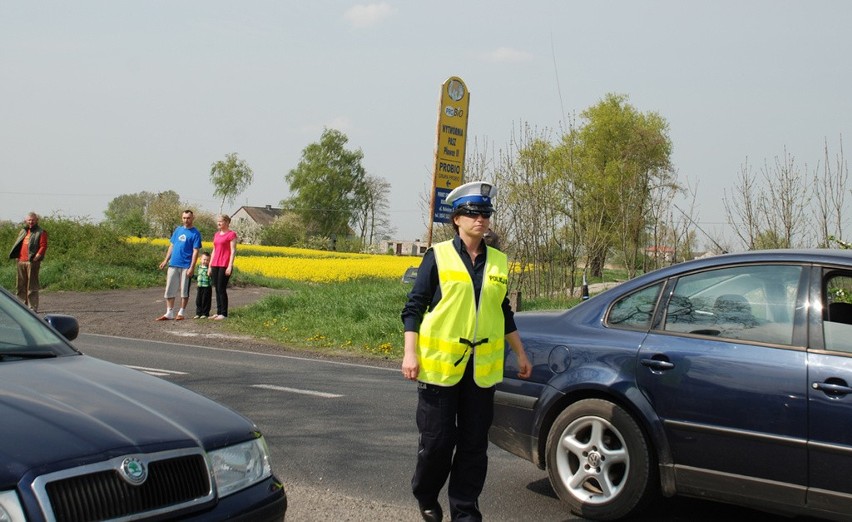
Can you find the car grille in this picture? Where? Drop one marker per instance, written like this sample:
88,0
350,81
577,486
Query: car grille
98,492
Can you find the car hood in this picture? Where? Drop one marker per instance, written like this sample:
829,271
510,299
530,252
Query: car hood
72,410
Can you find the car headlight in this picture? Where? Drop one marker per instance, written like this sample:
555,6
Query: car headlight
239,466
10,507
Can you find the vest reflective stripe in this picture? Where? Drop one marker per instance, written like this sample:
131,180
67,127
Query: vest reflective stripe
441,354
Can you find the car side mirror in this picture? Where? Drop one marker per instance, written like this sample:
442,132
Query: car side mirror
65,325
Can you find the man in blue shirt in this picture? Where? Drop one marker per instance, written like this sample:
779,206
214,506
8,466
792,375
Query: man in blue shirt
180,259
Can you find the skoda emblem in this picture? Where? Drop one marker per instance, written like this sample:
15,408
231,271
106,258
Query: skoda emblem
133,471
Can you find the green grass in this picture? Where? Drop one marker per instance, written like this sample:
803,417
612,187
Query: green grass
358,317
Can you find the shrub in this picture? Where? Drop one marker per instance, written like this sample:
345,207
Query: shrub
85,256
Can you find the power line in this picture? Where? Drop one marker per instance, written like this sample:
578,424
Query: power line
718,246
556,71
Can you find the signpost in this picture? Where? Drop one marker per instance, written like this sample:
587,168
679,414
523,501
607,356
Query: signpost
449,148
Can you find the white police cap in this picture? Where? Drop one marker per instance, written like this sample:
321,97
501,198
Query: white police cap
475,194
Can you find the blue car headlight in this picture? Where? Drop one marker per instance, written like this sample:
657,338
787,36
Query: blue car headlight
10,507
239,466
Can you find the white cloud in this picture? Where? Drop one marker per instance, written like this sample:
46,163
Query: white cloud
507,55
368,15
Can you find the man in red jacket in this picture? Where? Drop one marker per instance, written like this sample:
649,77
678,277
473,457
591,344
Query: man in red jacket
29,250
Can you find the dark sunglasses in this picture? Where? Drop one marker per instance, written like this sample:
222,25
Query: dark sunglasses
473,213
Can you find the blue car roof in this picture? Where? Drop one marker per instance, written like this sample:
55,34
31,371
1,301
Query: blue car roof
815,255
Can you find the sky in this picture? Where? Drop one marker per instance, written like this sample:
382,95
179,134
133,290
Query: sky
104,98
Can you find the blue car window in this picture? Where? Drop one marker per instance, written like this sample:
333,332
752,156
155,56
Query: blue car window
751,303
837,324
635,310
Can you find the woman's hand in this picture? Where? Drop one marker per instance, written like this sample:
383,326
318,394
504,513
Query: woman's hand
524,366
410,364
410,367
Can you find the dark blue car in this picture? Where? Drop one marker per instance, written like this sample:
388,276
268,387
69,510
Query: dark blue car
83,439
726,378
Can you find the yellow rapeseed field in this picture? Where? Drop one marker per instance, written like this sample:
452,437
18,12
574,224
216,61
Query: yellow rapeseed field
325,268
300,264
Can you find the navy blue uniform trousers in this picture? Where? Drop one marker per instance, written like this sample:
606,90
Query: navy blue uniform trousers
453,422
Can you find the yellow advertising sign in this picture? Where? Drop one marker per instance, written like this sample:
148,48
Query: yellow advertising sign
450,148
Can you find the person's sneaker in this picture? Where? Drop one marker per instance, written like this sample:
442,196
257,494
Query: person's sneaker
197,317
166,317
203,317
220,317
179,317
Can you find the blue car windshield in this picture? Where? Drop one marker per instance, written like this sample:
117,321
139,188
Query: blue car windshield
22,334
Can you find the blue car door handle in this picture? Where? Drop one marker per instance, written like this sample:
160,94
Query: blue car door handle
655,364
832,389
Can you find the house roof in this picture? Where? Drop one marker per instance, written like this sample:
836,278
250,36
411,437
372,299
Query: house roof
261,215
660,249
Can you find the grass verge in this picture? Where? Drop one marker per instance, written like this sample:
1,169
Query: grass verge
357,317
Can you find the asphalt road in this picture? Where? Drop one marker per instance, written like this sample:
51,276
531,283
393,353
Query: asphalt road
343,438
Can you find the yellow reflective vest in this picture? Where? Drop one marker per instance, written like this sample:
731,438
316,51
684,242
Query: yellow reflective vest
456,330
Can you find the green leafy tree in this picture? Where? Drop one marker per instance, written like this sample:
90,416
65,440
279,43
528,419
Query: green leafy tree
623,156
770,239
146,213
231,177
128,214
205,222
286,230
327,186
164,212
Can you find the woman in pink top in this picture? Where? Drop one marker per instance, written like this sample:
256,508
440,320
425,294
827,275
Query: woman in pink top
222,263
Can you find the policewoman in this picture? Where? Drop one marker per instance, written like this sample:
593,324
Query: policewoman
456,319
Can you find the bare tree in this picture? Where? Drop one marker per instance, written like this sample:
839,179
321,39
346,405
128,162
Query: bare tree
683,227
672,228
534,213
830,186
774,215
742,206
424,203
784,203
517,217
371,216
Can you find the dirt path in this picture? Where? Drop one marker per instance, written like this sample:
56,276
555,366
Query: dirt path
132,313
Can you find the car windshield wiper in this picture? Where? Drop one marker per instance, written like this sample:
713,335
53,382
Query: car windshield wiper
39,354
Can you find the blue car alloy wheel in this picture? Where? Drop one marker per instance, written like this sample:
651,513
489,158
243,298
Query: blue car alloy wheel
598,460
